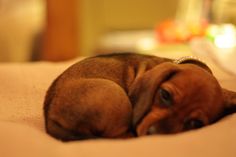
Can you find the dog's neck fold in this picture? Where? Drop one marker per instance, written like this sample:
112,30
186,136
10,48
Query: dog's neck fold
192,60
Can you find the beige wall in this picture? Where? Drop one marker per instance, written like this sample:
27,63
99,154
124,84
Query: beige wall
101,16
20,21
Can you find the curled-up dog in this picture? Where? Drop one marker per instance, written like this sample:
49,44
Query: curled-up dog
128,95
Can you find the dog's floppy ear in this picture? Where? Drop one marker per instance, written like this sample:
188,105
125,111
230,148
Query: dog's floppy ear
144,87
229,101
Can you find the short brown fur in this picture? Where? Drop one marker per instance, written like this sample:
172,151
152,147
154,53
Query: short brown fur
118,96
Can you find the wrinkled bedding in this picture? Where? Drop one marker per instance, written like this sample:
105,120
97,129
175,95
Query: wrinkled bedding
22,91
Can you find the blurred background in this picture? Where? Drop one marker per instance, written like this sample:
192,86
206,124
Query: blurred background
58,30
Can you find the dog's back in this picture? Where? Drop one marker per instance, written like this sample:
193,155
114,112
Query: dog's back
120,68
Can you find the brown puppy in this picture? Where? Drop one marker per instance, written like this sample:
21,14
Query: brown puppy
121,95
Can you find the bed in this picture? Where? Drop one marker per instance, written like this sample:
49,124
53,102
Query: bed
23,87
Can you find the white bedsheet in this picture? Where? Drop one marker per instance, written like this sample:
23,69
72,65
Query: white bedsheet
22,91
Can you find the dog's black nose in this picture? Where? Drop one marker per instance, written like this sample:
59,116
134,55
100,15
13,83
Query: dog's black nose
152,130
193,124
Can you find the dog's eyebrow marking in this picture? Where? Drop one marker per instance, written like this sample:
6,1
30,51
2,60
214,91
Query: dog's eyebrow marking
169,76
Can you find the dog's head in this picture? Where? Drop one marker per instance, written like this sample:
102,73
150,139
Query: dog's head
176,97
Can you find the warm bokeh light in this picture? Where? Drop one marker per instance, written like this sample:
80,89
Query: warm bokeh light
223,36
146,44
